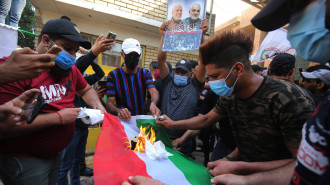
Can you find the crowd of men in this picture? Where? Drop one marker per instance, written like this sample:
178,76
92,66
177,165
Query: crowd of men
272,131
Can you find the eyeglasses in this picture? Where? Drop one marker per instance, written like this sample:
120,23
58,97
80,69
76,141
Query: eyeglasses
194,10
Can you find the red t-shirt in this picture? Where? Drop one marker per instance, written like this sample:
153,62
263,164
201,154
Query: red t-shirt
59,93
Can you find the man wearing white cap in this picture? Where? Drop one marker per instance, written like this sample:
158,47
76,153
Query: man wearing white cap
317,80
127,85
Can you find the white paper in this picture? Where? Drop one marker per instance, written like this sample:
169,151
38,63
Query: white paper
156,151
90,116
8,40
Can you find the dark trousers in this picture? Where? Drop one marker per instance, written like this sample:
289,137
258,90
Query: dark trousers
220,151
71,157
187,149
29,171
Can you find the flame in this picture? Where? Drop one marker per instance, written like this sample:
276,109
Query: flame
141,140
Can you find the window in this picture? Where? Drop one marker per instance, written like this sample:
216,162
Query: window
92,40
112,57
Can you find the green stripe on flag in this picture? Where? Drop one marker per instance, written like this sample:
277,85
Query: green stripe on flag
190,166
159,130
182,162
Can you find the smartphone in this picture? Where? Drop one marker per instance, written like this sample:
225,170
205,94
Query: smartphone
112,35
102,84
32,107
54,50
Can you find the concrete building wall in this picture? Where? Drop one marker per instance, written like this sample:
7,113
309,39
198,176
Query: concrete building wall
91,18
172,57
152,9
247,15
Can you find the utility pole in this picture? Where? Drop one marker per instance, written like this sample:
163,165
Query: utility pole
210,17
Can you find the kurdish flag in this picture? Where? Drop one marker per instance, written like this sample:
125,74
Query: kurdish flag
114,161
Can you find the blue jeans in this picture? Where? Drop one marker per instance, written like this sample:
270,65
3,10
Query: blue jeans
71,157
14,9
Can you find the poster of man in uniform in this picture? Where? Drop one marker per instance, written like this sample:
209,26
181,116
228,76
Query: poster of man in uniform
184,18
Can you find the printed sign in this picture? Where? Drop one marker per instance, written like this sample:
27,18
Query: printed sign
184,25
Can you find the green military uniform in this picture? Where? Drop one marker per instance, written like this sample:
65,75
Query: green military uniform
266,122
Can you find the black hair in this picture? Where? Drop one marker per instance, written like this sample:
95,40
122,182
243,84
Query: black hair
230,56
193,63
66,18
170,68
227,48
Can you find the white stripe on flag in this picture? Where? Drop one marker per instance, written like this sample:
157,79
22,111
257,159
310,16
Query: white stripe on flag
166,173
168,170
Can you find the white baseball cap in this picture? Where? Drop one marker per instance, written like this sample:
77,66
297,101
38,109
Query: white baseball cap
322,74
131,45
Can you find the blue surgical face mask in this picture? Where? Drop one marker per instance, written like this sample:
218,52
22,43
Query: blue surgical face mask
180,80
65,60
220,87
308,35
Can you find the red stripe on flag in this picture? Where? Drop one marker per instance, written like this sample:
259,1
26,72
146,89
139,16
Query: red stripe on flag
114,162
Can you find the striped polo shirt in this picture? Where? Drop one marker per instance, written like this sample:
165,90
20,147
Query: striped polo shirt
129,89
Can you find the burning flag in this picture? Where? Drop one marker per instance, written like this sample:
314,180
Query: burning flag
143,138
115,159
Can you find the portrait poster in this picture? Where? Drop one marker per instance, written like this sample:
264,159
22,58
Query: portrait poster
184,18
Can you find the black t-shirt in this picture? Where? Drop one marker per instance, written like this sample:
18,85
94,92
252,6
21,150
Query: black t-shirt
226,133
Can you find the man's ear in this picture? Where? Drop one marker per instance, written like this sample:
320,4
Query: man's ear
45,40
269,71
291,72
238,69
122,53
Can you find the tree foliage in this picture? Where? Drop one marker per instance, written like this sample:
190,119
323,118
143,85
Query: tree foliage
27,23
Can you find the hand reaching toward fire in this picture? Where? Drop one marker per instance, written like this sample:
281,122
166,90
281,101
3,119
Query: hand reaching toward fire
178,143
165,121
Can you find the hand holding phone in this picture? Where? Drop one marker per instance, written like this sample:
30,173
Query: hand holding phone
112,36
102,84
54,50
33,106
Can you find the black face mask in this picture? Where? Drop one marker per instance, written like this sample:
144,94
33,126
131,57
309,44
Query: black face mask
131,63
59,71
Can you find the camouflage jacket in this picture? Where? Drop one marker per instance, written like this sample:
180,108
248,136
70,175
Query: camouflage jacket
268,122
